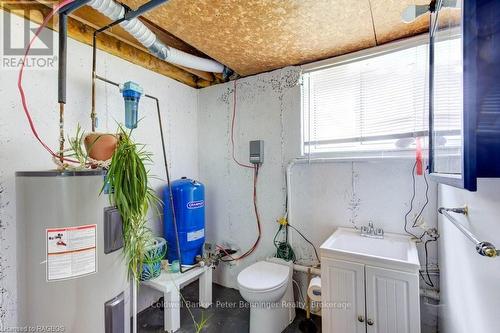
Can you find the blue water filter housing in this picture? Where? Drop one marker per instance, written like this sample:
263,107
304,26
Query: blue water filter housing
189,205
131,92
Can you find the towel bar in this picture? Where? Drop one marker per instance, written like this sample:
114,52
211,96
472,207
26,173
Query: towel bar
483,248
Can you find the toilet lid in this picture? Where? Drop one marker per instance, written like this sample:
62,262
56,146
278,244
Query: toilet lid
263,275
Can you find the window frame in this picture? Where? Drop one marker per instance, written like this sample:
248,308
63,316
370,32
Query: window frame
376,51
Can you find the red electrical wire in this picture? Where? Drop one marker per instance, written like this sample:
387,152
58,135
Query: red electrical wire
257,217
255,178
20,78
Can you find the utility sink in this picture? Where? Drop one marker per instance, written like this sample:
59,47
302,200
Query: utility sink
393,251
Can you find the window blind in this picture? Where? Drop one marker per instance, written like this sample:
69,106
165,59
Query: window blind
448,99
376,104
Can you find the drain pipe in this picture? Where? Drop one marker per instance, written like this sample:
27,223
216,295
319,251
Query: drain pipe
306,269
148,39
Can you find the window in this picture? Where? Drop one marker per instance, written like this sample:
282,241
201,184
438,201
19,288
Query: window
373,105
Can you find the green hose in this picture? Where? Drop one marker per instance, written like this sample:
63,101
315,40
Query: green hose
283,248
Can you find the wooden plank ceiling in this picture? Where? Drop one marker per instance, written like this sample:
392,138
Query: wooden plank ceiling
255,36
251,36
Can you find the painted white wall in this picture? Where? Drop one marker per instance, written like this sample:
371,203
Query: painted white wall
20,151
470,295
198,127
268,108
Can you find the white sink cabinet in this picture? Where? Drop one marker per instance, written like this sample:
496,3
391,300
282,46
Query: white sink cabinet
369,285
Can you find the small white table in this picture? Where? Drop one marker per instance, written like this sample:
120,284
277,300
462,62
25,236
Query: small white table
171,283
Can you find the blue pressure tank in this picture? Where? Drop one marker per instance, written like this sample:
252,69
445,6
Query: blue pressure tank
189,205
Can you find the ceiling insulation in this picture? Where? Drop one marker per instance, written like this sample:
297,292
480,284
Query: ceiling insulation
255,36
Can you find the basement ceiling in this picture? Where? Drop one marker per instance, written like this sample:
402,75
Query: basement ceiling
260,35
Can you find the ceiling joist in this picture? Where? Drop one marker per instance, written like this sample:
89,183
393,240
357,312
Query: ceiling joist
117,43
253,36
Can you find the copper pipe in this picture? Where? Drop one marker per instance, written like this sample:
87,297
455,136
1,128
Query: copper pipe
92,111
61,132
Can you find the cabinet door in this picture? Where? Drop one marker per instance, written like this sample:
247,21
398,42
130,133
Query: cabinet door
451,139
343,297
464,92
392,301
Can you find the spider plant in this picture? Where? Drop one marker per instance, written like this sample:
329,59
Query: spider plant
128,178
76,150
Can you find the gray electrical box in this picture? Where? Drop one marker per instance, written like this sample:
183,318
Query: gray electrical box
257,151
113,234
114,314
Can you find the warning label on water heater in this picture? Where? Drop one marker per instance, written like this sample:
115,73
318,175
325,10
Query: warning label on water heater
71,252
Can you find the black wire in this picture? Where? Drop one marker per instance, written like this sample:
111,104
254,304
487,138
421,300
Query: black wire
429,281
291,226
411,201
426,201
307,240
426,262
286,235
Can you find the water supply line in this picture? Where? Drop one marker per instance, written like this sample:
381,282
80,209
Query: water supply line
148,39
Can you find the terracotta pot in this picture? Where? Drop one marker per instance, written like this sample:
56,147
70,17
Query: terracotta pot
100,146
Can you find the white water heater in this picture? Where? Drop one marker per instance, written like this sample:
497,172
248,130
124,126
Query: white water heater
72,275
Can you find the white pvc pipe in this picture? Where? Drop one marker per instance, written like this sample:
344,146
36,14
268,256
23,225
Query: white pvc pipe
146,37
182,58
134,306
305,269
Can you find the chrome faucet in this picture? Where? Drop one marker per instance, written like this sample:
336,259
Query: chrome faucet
371,232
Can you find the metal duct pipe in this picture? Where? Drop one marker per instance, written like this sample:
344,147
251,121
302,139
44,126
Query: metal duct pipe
146,37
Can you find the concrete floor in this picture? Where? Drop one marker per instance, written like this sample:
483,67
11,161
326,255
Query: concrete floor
222,318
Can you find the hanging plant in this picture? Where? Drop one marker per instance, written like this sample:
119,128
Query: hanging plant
91,150
100,146
76,150
128,178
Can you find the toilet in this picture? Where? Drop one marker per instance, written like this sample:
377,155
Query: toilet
267,286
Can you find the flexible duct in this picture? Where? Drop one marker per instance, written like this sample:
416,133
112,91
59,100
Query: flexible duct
146,37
